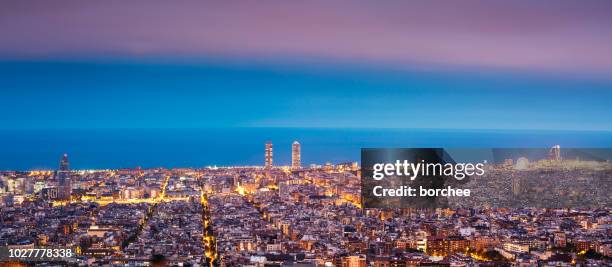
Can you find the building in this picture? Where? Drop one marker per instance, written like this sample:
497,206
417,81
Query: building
421,240
560,239
516,247
295,156
439,246
268,155
63,179
64,165
522,164
353,261
516,186
555,153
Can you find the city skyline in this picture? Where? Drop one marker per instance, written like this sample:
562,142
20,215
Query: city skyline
268,162
115,149
312,217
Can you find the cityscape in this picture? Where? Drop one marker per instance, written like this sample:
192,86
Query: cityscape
279,216
263,133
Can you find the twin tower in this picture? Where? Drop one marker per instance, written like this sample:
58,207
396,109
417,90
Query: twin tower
295,155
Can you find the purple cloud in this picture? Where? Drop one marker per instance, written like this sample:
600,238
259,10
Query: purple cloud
551,36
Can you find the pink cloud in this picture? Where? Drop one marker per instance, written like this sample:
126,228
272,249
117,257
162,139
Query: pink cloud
544,35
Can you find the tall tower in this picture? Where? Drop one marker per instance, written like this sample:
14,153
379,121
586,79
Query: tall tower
516,186
64,165
295,156
268,155
555,153
63,178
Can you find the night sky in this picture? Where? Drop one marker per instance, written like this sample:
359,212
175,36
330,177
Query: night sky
398,64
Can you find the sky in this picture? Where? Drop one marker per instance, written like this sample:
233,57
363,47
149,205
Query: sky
349,64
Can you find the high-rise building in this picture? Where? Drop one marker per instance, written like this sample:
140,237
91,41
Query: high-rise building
63,178
268,155
64,165
295,156
555,153
516,186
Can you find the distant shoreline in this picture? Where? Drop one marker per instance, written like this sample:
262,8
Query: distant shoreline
169,148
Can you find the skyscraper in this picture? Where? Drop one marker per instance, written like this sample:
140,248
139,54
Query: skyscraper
268,155
64,165
555,153
63,178
295,156
516,186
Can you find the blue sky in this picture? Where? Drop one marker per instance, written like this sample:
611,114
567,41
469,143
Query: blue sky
349,64
93,93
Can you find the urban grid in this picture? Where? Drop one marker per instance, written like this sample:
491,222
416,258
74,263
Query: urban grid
280,216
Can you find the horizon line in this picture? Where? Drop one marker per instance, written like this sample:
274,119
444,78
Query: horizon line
310,128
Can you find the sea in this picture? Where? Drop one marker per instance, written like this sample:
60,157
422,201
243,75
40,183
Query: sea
170,148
